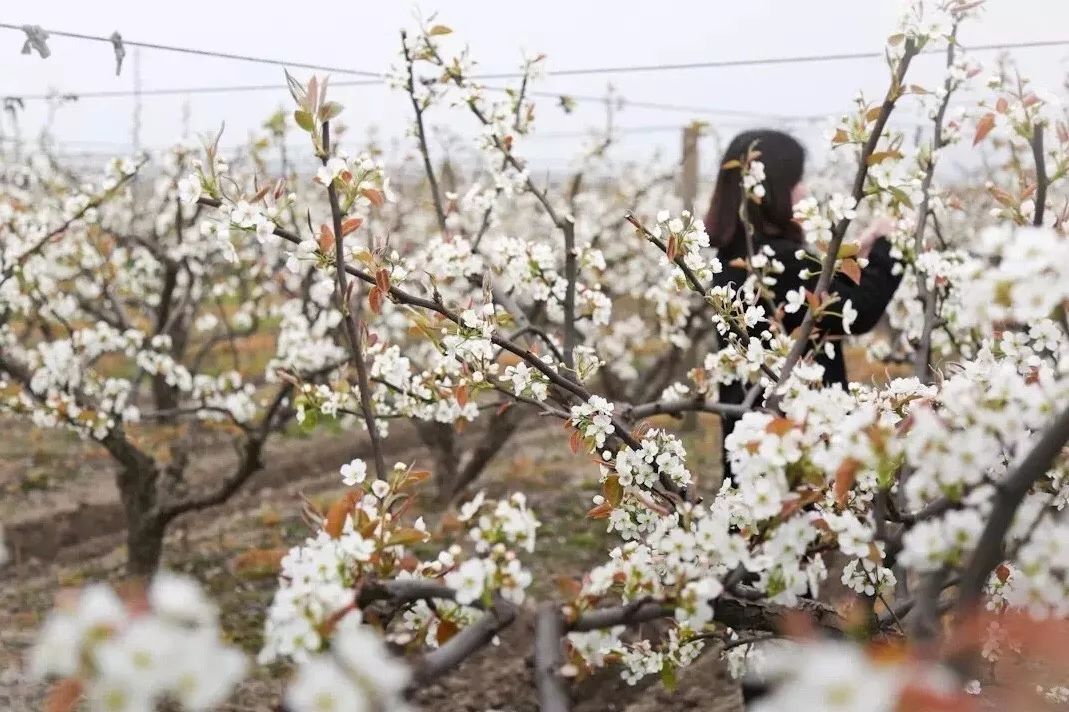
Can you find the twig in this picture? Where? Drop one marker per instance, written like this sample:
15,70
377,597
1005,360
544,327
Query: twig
922,356
839,232
1042,181
351,320
421,134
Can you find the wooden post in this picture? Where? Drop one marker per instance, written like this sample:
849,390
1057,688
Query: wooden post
449,176
688,178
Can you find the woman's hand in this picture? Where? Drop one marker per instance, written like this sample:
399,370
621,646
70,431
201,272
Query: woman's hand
880,227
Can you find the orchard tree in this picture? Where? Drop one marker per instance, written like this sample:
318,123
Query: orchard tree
127,318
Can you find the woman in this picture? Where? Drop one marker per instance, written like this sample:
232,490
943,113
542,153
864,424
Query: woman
774,226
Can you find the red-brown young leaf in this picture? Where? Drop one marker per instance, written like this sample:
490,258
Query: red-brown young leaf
382,279
407,536
260,194
351,225
415,476
1063,132
575,442
840,137
844,479
375,300
446,630
670,248
64,695
1030,100
983,127
779,426
339,511
375,196
797,625
569,587
255,563
462,395
602,511
326,239
851,269
1002,105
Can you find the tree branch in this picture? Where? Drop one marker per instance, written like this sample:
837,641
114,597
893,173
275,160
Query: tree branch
1008,498
839,232
352,320
549,629
465,643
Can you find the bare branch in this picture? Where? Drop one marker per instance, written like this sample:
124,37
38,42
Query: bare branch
549,630
465,643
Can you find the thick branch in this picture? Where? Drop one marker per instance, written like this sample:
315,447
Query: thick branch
1010,494
549,629
465,643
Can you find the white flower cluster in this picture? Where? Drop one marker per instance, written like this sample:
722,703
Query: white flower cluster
593,421
660,454
133,654
359,673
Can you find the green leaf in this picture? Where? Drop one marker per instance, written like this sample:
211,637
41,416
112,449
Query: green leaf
304,120
311,420
847,249
900,196
668,677
613,490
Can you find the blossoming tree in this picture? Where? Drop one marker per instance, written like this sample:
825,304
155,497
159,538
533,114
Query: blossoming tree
934,498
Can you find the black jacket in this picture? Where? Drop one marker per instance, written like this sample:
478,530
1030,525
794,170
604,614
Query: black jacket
869,298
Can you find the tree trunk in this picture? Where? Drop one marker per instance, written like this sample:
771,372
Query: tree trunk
498,432
144,543
137,481
441,438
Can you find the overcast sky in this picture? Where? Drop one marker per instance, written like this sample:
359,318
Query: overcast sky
363,35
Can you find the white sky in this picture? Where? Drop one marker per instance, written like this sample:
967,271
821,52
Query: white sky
363,35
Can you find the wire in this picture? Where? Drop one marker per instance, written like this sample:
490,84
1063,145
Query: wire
761,61
623,101
764,61
121,93
201,52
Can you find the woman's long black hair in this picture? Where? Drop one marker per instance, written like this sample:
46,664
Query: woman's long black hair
784,161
